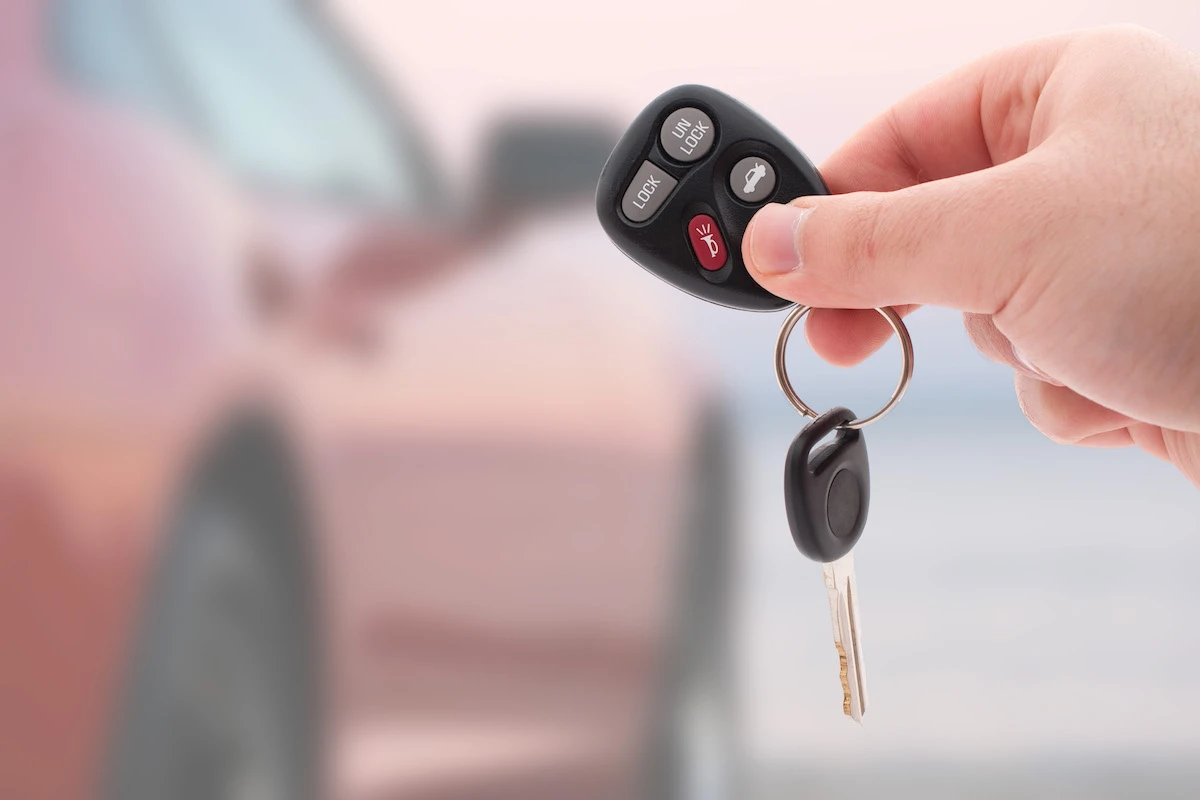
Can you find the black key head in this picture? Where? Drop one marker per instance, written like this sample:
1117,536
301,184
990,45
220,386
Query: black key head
682,184
827,491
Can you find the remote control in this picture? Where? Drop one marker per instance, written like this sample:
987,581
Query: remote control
683,182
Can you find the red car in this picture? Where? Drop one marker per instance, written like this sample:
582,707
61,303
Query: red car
318,479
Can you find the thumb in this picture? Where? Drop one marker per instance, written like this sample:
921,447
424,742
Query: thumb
953,242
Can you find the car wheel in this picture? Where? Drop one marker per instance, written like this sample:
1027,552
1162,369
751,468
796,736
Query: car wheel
695,751
220,703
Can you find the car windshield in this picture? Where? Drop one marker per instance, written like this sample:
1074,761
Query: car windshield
281,105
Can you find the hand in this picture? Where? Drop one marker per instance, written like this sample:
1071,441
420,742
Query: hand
1051,192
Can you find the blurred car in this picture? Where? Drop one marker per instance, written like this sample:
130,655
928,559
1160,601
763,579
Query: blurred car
317,479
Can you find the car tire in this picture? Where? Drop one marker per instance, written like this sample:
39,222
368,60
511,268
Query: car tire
221,703
695,749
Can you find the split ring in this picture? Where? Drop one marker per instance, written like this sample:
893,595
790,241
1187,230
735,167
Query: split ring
785,383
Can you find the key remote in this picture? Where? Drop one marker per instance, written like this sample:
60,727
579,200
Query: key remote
683,182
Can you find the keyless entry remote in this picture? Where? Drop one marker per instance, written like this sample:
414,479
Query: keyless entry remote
682,184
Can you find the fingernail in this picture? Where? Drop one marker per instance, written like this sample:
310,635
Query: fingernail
774,238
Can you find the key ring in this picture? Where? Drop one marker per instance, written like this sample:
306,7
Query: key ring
785,383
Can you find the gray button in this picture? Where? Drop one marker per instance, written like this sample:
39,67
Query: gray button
687,135
752,179
648,190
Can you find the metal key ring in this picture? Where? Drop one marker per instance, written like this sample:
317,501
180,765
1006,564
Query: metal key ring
785,383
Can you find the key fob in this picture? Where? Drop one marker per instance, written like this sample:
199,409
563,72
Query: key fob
827,491
683,182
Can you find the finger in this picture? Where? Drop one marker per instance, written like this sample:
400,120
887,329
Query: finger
987,338
845,337
1063,415
1150,438
948,243
1108,439
972,118
1183,449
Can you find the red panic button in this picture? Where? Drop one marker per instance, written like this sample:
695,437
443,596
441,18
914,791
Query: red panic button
707,242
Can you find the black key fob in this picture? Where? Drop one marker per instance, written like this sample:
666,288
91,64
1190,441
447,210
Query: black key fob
683,182
827,490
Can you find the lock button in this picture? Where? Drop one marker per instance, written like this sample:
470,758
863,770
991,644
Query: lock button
648,190
707,242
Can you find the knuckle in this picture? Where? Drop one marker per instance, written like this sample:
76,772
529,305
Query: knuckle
987,338
880,234
863,241
1122,31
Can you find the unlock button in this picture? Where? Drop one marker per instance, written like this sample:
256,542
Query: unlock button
707,242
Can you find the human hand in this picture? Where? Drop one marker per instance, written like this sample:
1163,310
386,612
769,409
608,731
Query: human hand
1051,192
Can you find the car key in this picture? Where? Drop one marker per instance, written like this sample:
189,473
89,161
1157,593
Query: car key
827,491
683,182
676,196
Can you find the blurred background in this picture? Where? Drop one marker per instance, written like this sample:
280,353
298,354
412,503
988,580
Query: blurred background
341,455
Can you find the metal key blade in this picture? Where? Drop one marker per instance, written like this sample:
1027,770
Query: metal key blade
847,636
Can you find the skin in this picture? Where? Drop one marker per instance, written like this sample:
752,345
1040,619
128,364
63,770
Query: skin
1051,192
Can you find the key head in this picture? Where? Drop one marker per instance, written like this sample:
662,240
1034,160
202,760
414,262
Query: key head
827,489
683,182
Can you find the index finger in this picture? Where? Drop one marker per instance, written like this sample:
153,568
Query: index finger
972,118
